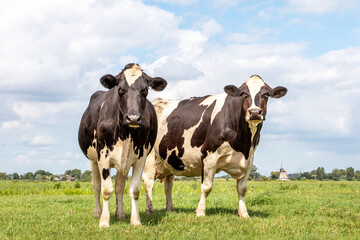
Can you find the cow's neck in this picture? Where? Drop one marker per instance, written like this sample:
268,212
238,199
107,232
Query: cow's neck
247,135
112,114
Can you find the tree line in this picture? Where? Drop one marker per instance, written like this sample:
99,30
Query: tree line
40,175
319,174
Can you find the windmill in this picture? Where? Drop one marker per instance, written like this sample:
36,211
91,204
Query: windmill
283,175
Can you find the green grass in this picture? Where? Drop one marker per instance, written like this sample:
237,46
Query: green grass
291,210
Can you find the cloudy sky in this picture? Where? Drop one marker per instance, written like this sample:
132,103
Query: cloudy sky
53,53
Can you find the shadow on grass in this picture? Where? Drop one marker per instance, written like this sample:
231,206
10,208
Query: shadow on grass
156,217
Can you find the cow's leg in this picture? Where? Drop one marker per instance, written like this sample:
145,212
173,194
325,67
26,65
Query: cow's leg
134,190
241,189
120,182
206,187
106,187
149,180
168,185
96,183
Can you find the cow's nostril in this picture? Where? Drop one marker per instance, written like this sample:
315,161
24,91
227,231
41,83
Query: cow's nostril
139,118
260,112
128,118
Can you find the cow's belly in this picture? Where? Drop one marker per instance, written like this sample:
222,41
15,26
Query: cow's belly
121,157
224,159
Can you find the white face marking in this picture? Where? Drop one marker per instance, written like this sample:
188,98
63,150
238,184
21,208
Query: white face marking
254,84
132,74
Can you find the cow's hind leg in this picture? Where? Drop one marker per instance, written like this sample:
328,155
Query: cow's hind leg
120,182
106,187
149,180
96,183
168,185
134,190
241,189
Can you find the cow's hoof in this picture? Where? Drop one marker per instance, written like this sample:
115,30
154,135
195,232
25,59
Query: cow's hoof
170,209
200,213
149,211
135,222
97,214
104,225
244,215
120,216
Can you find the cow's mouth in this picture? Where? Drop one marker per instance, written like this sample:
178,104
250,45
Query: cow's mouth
134,125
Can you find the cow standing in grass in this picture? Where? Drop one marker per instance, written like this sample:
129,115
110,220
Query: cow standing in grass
118,129
204,135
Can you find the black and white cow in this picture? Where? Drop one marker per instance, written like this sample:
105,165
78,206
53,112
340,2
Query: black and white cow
118,129
201,136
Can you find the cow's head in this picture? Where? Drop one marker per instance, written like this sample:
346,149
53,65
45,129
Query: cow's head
132,86
255,93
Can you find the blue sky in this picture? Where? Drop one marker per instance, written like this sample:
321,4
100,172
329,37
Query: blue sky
53,54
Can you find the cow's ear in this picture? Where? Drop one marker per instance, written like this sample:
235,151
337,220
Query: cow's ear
158,83
278,92
109,81
232,90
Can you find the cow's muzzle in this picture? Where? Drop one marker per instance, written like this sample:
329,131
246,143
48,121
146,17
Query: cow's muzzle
255,114
133,120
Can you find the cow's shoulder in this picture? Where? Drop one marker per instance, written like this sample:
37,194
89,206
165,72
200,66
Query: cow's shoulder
98,95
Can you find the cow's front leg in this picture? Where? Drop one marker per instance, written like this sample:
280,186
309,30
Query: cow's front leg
120,182
134,190
168,185
96,183
241,189
206,187
106,187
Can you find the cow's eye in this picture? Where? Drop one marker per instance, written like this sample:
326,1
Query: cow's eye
244,94
144,92
265,95
122,92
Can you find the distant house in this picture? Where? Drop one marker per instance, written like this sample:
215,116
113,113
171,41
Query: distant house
294,175
62,177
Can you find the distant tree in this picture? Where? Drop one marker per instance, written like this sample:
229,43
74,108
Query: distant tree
86,176
2,175
40,172
320,173
357,175
9,177
275,175
68,172
38,177
350,173
253,173
16,176
335,174
29,176
306,175
76,173
342,174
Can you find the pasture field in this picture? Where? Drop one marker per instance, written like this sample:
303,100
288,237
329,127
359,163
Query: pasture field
279,210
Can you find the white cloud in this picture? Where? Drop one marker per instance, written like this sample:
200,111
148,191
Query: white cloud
178,2
320,7
43,140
